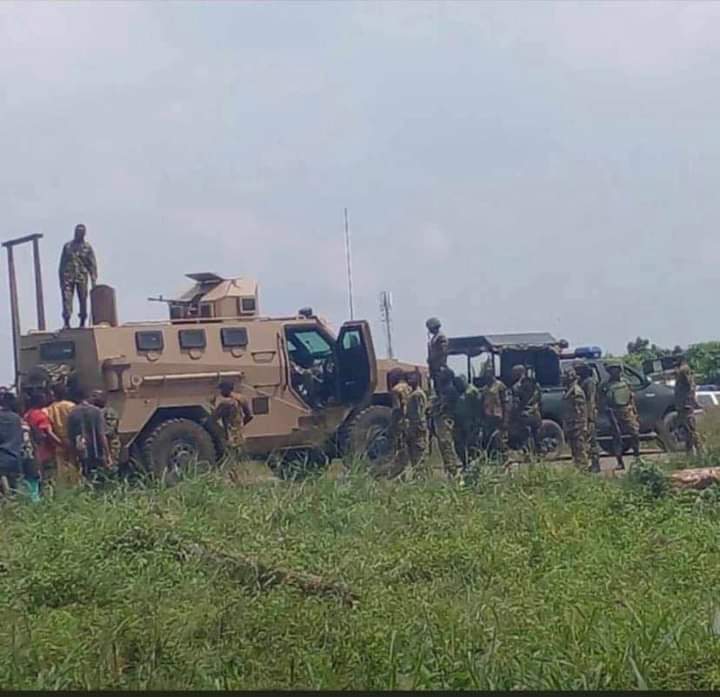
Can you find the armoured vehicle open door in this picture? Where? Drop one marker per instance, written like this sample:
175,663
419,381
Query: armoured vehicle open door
356,364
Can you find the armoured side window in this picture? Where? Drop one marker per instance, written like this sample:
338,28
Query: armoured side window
149,341
247,305
234,337
261,405
192,338
57,351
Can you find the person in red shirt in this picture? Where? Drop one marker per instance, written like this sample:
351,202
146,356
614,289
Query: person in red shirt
43,435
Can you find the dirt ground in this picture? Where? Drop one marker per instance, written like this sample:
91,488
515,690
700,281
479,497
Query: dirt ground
254,472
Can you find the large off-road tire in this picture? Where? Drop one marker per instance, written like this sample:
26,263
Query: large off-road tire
671,438
298,464
552,439
177,445
367,440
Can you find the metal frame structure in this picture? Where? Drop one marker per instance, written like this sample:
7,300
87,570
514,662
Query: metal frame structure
12,280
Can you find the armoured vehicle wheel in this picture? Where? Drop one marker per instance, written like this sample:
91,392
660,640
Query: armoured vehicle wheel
295,465
672,438
369,442
175,445
552,439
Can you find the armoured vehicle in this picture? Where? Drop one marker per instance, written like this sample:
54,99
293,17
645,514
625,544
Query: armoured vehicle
546,357
313,392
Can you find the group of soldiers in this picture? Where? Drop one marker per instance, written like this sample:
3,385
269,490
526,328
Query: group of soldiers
467,419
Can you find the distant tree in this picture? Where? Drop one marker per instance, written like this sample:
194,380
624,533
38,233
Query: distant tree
704,359
641,350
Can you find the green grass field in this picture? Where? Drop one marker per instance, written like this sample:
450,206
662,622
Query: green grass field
543,579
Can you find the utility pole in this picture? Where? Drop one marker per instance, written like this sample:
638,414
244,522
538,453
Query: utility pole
386,319
348,259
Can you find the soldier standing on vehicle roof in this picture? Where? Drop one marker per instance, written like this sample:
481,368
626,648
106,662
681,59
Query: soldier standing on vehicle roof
77,265
526,410
443,410
589,387
494,410
619,402
575,418
400,393
231,413
437,349
686,403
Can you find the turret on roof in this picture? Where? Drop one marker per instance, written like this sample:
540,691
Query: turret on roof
213,296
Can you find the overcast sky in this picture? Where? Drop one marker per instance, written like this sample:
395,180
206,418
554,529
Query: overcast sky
507,167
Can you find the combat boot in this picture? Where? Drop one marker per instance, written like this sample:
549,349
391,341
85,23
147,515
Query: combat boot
595,466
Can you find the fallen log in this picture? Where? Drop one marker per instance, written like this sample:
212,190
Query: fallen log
697,478
252,572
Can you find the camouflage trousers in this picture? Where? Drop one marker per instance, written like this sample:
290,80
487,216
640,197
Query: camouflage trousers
593,445
627,425
576,436
417,445
525,429
400,444
444,434
466,442
115,447
686,420
494,425
69,287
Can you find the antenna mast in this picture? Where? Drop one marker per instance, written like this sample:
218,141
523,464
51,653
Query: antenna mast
348,260
385,318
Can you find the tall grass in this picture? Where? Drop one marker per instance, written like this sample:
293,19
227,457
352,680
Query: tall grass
543,579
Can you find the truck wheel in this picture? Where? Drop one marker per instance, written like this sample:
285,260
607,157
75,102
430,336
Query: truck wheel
552,439
175,445
369,441
672,438
298,464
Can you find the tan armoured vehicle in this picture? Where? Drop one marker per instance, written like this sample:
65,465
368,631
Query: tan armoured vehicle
313,392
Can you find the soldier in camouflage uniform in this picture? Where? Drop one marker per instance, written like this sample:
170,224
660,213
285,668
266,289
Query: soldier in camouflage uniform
466,429
589,387
112,424
399,394
685,405
526,409
619,401
77,266
443,410
231,412
494,411
575,419
437,349
417,433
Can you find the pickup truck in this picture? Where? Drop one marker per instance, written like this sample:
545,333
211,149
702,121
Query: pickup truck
546,358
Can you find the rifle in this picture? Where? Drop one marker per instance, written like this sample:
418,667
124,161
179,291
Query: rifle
432,433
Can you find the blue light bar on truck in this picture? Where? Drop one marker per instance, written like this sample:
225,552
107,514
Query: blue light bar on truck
588,352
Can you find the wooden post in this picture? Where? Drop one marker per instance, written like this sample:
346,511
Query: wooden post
39,299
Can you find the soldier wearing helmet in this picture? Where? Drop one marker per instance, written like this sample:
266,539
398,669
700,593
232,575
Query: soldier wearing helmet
526,410
437,348
686,403
588,383
619,402
494,410
575,418
400,393
443,412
